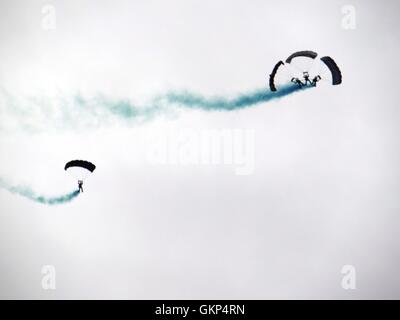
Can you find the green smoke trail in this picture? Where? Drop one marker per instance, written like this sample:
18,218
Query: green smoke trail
29,194
77,112
102,109
190,100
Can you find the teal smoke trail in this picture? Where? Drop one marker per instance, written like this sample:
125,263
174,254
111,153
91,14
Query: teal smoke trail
190,100
29,194
77,112
126,110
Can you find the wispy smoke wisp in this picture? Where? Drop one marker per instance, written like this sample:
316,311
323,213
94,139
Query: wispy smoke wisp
77,112
31,195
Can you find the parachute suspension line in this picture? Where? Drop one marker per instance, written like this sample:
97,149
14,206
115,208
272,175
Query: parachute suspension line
315,64
292,67
324,74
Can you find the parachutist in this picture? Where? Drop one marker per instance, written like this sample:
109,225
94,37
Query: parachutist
80,169
298,82
80,185
315,80
306,78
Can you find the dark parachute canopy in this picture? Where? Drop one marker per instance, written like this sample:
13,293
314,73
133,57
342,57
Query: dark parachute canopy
335,71
306,53
80,163
272,76
80,169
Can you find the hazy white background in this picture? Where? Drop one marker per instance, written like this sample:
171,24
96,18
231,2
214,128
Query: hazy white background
324,193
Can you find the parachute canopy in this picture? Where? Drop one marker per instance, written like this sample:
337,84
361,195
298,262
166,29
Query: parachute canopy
82,164
335,71
306,53
272,76
80,169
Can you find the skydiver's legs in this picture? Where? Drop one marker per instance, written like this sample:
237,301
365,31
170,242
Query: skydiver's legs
301,84
307,81
80,185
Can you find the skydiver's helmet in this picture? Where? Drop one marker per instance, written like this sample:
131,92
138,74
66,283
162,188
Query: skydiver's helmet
306,75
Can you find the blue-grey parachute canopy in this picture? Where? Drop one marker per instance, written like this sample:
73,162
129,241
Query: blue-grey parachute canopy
80,169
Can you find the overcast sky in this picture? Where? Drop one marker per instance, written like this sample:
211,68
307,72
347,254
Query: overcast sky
323,187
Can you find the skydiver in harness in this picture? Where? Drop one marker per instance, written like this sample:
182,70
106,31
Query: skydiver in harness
298,82
306,78
315,80
80,185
